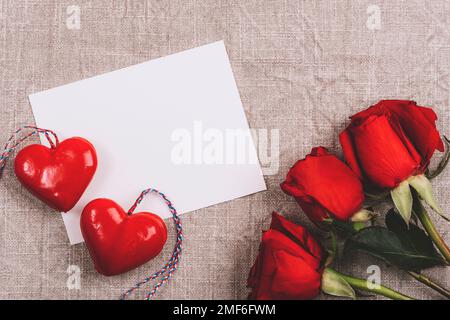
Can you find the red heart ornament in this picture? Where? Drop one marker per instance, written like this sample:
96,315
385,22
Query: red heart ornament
57,175
118,242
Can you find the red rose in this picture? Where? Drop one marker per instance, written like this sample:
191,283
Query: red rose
289,263
391,141
324,187
290,266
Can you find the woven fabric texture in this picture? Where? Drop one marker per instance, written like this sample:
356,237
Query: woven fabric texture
302,67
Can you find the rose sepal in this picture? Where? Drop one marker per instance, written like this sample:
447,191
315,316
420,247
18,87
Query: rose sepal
423,187
363,215
335,285
403,201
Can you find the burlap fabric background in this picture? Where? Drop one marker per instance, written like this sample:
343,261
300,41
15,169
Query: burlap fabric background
301,67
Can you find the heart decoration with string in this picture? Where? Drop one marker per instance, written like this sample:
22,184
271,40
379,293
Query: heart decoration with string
58,175
120,241
109,233
117,241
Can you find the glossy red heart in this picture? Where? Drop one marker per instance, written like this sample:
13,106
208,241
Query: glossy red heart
58,175
118,242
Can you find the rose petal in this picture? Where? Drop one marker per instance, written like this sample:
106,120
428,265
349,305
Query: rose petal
323,179
293,278
382,155
296,233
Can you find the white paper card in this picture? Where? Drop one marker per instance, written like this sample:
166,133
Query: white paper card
154,125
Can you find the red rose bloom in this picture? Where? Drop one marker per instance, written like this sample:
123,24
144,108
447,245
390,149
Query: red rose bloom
324,187
391,141
289,263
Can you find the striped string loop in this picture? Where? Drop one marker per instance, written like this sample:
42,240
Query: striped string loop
171,266
16,139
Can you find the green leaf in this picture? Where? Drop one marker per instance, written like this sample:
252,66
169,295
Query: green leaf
333,284
397,250
415,236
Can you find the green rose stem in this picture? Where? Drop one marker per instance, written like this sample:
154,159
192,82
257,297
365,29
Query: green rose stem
429,227
361,284
428,282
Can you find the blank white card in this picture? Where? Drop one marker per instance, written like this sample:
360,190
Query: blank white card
175,124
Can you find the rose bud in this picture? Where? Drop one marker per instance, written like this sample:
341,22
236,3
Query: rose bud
325,187
390,145
290,266
289,263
